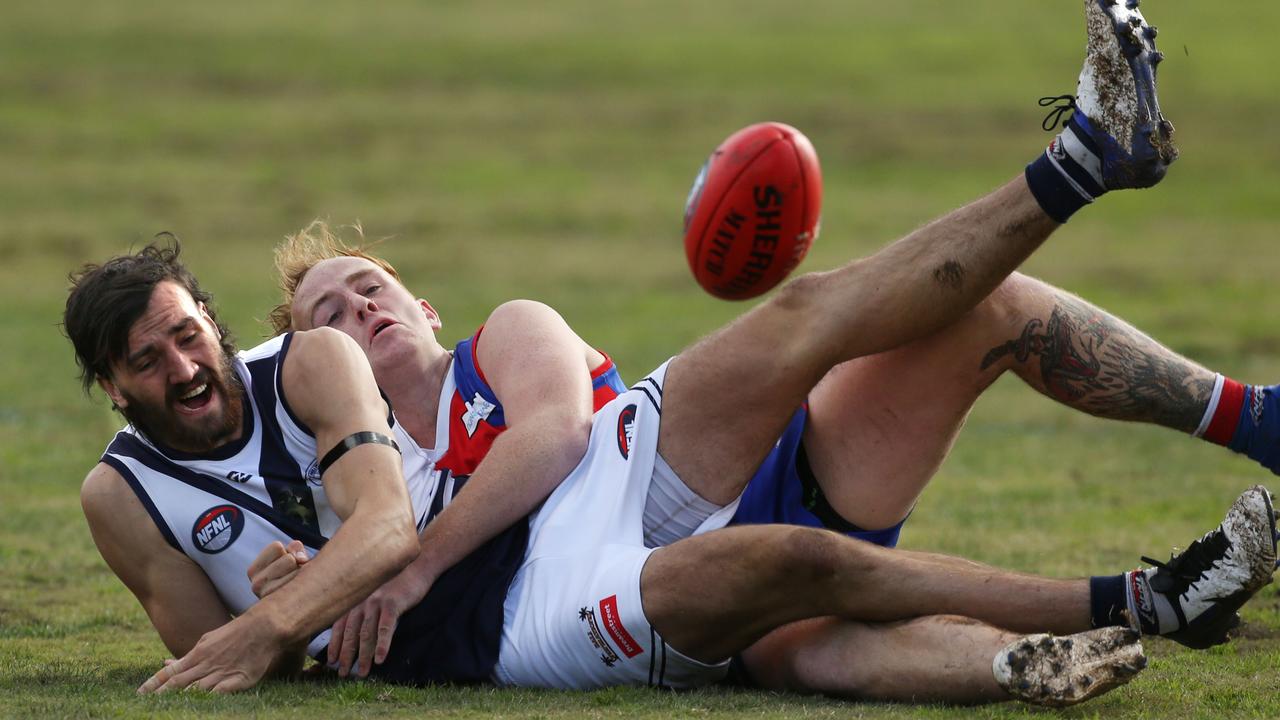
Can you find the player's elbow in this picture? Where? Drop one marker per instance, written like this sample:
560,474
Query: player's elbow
401,546
569,439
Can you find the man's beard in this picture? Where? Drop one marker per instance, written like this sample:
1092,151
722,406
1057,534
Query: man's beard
164,426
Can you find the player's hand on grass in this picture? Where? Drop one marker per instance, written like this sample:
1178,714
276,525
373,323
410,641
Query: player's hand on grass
276,565
362,637
233,657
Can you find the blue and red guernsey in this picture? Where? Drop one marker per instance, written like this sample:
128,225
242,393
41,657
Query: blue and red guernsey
453,634
476,417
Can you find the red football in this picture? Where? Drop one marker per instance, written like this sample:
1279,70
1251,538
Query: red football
753,211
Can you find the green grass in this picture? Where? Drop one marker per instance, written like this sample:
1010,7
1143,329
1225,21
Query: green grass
527,150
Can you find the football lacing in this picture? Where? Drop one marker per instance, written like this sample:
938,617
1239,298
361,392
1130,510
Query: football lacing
1055,115
1185,569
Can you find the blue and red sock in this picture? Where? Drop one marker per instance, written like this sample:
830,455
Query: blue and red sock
1245,418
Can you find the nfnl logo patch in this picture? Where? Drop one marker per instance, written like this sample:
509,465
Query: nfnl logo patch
626,429
217,528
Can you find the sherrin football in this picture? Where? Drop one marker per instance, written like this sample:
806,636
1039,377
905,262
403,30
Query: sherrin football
753,211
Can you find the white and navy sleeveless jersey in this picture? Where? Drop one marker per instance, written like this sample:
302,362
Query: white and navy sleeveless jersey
221,508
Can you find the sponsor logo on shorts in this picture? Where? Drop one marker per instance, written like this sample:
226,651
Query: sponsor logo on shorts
239,477
1142,601
607,655
612,622
217,528
626,429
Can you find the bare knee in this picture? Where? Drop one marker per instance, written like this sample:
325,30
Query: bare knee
804,292
813,557
1009,295
804,308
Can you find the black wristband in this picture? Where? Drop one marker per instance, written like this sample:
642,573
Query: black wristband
353,440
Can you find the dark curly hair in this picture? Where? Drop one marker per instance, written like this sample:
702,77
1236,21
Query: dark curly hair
106,300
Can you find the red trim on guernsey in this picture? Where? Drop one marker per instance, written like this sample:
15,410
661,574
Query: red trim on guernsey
467,449
475,355
602,395
1227,416
603,367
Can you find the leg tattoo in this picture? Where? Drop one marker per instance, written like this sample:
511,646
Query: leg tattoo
1093,362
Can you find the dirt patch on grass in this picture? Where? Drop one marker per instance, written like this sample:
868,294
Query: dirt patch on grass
1254,631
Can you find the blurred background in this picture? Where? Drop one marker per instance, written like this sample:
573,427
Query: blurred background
544,150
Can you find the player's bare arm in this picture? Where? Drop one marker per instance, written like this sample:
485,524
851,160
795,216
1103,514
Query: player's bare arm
175,593
539,369
331,389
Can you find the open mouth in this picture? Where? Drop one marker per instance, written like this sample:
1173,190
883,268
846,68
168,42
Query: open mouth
382,325
197,397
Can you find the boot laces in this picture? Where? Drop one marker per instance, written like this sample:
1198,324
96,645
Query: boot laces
1186,568
1055,114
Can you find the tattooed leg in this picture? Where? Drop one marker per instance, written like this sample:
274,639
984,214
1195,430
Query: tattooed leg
1094,362
880,426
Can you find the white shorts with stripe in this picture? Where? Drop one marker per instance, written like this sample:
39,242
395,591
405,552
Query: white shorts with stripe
573,615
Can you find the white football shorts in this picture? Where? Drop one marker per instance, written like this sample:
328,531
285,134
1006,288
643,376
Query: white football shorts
573,615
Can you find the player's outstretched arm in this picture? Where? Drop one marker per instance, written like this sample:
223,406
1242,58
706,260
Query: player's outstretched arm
538,367
330,387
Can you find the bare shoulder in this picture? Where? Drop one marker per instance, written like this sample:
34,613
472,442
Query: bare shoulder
524,341
178,597
322,360
522,317
320,350
121,527
516,324
104,495
327,380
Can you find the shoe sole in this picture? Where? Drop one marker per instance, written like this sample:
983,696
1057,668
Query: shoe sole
1251,523
1061,671
1125,95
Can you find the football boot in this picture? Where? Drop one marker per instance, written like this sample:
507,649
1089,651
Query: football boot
1206,584
1060,671
1115,132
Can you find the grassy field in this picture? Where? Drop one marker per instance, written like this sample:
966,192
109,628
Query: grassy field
544,150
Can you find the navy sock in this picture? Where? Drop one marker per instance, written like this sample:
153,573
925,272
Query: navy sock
1068,175
1108,603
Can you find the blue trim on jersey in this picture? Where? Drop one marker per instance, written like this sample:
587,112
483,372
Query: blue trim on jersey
610,378
131,447
468,381
286,482
775,493
145,499
278,382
